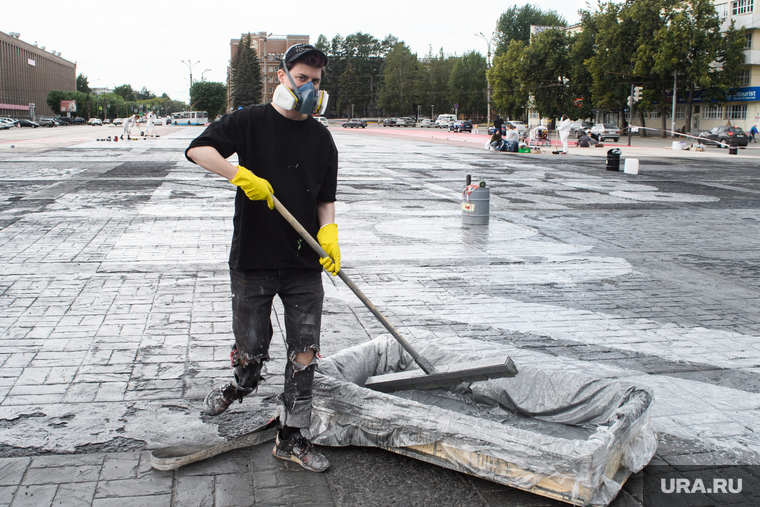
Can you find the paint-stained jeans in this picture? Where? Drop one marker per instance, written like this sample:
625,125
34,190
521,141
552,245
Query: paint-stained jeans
301,293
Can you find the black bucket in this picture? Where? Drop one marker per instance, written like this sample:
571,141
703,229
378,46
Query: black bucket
613,159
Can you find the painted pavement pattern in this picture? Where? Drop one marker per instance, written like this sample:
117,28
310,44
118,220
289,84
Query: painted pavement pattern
114,310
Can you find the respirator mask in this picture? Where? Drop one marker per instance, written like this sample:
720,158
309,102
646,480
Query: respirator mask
305,100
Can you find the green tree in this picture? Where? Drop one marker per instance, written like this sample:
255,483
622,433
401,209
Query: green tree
82,84
245,76
54,98
613,62
397,95
507,92
208,96
126,92
692,45
433,82
514,24
581,49
348,92
467,84
546,73
144,94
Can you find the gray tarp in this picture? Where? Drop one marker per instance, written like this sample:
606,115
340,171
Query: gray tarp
550,423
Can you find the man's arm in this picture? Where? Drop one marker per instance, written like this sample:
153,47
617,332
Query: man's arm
326,213
208,158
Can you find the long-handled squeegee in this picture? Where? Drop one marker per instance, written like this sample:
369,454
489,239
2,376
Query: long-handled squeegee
429,378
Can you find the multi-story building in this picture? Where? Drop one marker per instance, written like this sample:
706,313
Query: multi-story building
27,74
268,48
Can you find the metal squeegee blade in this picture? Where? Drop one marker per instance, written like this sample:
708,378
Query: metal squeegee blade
453,374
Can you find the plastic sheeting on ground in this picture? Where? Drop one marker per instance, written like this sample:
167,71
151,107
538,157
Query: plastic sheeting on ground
557,433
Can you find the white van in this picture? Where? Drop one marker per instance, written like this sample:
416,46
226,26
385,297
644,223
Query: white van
443,120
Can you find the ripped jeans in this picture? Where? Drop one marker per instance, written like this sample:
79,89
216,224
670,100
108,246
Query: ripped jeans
301,293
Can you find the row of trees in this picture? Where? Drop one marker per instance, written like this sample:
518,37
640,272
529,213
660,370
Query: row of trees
646,43
370,77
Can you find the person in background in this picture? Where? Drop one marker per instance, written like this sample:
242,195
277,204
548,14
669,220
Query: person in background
128,122
150,129
753,133
512,139
498,123
564,132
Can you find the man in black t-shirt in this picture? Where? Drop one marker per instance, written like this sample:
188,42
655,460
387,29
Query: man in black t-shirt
282,150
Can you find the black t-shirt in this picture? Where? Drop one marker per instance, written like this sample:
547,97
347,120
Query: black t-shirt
300,161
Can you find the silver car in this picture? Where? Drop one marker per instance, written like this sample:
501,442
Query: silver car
606,131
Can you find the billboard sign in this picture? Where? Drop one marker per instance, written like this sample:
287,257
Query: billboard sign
68,106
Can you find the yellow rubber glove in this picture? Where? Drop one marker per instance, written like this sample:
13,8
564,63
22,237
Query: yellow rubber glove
328,240
257,189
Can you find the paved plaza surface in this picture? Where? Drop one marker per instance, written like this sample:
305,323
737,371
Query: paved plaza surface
115,307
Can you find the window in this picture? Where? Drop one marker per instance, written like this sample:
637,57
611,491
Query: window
741,7
713,113
722,10
270,89
653,114
680,112
534,114
743,78
748,43
736,112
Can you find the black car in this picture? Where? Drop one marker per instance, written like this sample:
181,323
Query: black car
389,122
78,121
724,137
354,124
460,126
27,123
63,120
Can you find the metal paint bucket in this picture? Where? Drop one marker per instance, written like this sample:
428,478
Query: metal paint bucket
475,204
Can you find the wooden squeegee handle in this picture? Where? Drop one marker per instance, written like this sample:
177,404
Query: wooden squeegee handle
423,363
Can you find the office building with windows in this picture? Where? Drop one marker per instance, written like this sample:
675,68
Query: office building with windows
27,74
268,48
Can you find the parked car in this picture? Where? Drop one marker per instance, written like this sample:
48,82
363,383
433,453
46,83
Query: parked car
78,121
118,121
406,122
4,125
606,131
95,121
354,124
389,122
724,137
107,121
322,120
28,123
63,120
578,127
443,120
461,126
427,123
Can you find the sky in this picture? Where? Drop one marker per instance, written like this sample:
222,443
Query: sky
144,43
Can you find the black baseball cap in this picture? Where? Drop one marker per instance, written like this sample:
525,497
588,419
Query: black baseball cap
298,51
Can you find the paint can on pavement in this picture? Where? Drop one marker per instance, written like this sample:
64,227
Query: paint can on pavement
476,200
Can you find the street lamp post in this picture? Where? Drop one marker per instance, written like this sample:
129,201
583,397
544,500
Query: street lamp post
190,66
488,81
202,73
431,112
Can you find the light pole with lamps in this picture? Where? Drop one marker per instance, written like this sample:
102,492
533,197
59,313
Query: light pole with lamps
202,73
190,66
488,81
